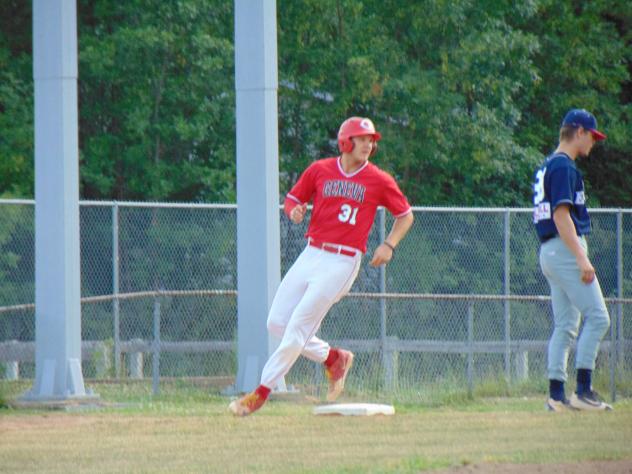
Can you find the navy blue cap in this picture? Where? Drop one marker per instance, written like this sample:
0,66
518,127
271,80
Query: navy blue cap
586,120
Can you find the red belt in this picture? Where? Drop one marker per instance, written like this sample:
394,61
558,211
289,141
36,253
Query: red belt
333,248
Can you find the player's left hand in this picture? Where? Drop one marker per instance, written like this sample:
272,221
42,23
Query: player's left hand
382,255
587,271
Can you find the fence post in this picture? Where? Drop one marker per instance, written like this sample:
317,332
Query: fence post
391,363
507,291
12,367
115,290
620,340
12,370
135,361
470,348
102,360
612,355
155,378
521,363
386,361
616,323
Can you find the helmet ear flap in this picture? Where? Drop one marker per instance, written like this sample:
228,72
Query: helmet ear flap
345,145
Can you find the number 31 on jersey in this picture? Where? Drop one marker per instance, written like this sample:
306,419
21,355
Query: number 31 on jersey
348,214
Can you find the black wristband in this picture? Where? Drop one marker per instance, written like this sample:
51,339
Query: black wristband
389,246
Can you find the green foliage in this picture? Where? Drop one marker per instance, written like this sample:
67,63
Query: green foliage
156,101
4,401
590,69
16,261
16,100
469,95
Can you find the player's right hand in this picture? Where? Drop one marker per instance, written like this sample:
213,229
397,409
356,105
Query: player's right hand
298,213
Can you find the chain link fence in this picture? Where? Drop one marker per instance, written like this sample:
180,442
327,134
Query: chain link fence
462,302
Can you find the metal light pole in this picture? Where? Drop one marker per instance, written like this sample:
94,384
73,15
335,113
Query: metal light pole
58,373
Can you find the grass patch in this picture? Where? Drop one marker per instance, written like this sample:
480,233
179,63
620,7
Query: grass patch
3,398
187,428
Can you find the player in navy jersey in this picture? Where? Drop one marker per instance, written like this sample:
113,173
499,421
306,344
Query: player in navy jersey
562,222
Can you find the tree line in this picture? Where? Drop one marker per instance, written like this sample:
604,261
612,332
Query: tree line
468,95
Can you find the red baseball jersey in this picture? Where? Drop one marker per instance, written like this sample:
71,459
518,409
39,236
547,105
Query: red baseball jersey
344,205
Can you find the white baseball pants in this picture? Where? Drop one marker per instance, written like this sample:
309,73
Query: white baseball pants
316,281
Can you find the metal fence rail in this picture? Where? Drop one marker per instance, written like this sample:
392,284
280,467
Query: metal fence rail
463,299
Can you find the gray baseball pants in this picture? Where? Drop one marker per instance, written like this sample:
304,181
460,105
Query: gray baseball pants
571,299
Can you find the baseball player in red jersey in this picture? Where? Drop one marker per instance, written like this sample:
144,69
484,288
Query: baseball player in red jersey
346,192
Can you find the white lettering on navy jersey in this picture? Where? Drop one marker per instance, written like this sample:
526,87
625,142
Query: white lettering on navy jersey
557,182
538,187
541,211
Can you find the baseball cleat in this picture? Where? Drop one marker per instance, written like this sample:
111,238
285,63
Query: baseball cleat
559,406
337,374
590,401
247,404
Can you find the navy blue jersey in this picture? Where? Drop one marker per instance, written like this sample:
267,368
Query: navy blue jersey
557,182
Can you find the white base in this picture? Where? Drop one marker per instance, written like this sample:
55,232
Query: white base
355,409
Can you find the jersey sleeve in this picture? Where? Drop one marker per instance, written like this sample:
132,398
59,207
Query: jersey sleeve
393,198
561,183
305,187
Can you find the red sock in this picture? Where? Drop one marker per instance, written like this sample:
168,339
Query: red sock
332,357
263,391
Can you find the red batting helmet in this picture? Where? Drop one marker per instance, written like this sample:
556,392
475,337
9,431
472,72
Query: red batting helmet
355,127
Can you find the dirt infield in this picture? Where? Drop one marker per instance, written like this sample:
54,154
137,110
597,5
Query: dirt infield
588,467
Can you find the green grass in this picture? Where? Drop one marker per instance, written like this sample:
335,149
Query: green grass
3,397
188,429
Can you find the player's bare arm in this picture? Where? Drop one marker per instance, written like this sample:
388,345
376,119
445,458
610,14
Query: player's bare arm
566,230
384,252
